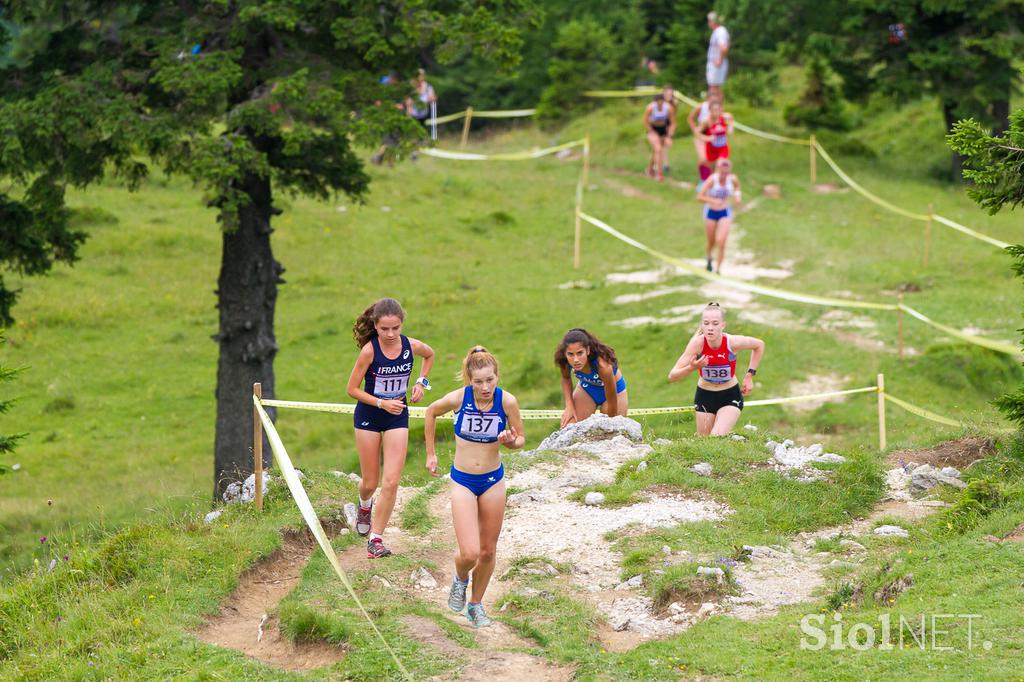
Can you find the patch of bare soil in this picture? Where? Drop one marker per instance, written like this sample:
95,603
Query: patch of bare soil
1017,535
829,188
627,191
485,664
243,623
959,453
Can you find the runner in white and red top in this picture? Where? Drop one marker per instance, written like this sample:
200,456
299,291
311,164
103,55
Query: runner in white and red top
712,353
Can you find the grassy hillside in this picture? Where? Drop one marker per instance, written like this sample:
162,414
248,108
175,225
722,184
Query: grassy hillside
117,396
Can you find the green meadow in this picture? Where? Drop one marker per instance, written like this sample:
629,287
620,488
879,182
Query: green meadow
117,392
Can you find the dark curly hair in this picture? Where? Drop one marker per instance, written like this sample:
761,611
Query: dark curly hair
364,330
595,349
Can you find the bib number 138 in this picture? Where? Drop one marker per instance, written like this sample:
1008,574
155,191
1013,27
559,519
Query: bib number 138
718,374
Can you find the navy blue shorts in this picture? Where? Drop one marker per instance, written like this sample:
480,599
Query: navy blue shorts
371,418
478,484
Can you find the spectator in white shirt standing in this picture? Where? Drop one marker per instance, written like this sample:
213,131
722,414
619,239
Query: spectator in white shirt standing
718,62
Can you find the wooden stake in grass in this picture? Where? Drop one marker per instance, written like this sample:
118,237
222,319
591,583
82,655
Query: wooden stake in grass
881,412
465,126
814,159
576,241
899,324
257,446
580,189
928,234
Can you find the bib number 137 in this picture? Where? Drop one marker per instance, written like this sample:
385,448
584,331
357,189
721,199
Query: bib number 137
480,425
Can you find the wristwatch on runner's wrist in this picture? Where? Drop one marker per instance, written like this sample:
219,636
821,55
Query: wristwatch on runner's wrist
751,371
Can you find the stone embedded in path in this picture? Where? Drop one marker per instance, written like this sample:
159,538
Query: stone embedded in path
790,455
597,427
635,614
350,514
702,468
892,531
750,427
926,477
594,498
737,437
663,441
635,581
715,571
642,466
423,580
213,516
952,472
528,497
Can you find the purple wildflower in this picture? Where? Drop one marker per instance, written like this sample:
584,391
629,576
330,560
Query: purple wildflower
42,540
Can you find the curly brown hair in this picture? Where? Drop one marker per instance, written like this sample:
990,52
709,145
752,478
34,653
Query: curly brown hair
595,349
364,330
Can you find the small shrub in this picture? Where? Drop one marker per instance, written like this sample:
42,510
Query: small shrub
979,499
845,595
821,105
300,623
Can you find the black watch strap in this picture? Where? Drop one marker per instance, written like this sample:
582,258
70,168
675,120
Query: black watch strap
751,371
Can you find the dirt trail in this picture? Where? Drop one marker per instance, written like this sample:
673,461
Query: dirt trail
260,589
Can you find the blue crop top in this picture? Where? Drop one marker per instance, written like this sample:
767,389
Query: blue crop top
480,427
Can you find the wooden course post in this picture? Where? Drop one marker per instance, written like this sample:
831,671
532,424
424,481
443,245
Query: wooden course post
465,126
928,234
881,412
899,324
814,159
584,178
257,446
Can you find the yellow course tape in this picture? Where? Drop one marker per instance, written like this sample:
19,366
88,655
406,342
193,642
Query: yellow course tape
643,92
749,286
448,118
509,156
977,340
968,231
284,462
921,412
504,113
863,192
802,298
420,412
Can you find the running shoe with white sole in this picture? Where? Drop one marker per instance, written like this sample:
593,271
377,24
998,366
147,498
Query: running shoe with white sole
363,519
457,595
477,617
375,549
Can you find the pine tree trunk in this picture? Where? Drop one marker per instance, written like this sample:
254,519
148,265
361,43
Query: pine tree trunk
246,296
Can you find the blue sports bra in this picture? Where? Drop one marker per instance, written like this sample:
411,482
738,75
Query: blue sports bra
480,427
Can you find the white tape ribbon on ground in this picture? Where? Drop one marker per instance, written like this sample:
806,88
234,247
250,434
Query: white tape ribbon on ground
284,463
509,156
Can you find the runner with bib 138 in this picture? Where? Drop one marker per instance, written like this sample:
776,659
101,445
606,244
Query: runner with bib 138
712,353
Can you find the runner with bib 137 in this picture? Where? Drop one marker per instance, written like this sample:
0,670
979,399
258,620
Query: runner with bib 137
485,418
712,353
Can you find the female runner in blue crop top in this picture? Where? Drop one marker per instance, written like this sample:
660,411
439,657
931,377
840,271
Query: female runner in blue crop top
485,417
601,384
